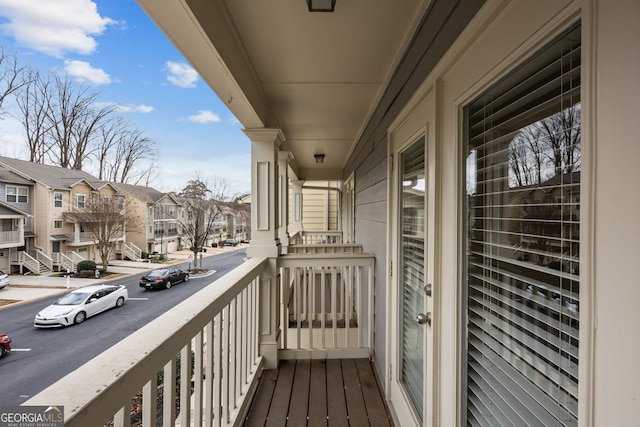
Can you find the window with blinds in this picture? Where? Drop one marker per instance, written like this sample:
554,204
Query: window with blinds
521,265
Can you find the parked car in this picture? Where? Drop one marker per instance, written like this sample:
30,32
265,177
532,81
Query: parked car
78,305
230,242
5,344
4,279
163,278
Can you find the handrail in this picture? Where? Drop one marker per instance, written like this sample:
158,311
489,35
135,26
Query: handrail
63,262
28,261
44,259
131,251
225,314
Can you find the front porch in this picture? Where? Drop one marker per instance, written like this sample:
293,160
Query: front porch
310,315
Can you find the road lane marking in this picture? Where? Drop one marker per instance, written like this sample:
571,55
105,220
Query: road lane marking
20,349
137,299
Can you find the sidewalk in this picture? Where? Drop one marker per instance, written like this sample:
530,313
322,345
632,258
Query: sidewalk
25,288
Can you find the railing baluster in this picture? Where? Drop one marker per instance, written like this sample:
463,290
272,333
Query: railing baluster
149,402
208,375
185,384
169,394
217,363
197,380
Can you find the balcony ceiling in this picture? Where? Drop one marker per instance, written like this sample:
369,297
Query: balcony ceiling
315,76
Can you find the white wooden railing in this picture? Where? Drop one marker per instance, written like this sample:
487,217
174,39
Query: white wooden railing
75,257
316,237
10,236
325,249
326,305
131,251
43,258
23,259
63,262
218,327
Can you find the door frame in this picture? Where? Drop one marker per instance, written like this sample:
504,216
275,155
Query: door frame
417,120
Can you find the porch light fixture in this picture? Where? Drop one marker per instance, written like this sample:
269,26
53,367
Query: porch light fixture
319,158
321,5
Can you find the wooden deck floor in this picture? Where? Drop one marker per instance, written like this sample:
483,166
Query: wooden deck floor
333,392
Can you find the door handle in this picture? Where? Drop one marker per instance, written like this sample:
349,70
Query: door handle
424,318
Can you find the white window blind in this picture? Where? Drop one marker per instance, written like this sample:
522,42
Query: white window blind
522,240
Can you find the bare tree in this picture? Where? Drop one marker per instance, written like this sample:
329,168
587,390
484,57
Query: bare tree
33,102
106,218
75,120
11,77
546,148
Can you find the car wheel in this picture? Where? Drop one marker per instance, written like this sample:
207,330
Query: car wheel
2,350
186,278
168,284
120,302
79,318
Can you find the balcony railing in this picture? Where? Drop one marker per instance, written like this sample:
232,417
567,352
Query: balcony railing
325,311
217,329
326,305
11,237
316,238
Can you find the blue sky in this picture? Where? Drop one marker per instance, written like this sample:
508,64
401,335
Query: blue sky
113,45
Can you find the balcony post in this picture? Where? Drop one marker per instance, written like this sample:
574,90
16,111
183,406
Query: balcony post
283,191
265,242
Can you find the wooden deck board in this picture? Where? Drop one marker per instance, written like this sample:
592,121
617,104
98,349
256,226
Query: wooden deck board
318,394
312,393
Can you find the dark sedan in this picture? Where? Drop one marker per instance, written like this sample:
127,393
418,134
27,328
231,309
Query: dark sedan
163,278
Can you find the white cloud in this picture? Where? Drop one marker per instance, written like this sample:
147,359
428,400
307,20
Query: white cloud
205,116
182,74
53,27
129,108
83,71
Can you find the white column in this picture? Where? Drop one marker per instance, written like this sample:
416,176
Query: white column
264,234
283,191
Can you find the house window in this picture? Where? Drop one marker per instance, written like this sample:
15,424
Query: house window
106,201
521,264
57,200
81,200
57,223
17,194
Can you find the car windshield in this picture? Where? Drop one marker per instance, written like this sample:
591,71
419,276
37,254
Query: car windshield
73,298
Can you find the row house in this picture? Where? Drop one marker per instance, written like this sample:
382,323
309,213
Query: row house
16,193
479,146
57,230
153,220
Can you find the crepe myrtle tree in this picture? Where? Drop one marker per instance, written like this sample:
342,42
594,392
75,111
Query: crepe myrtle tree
105,217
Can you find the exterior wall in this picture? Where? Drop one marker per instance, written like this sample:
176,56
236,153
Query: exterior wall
502,35
137,224
42,222
320,207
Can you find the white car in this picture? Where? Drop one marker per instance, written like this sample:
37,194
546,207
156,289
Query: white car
76,306
4,279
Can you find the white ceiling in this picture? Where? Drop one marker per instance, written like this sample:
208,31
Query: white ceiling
315,76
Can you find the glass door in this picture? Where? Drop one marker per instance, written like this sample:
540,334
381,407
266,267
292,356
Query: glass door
411,275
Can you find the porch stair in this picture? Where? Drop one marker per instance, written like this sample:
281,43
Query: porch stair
330,392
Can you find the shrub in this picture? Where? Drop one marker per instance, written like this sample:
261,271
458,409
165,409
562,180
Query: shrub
86,265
